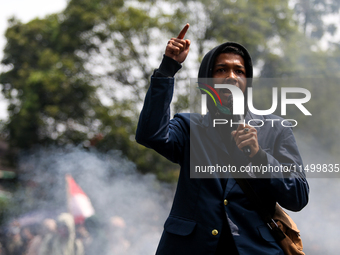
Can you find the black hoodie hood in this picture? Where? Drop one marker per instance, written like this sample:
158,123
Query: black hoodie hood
207,65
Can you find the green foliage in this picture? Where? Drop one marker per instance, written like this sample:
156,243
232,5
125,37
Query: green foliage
5,204
60,70
255,23
47,86
51,87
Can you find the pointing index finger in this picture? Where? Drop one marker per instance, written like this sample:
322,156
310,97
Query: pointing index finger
183,32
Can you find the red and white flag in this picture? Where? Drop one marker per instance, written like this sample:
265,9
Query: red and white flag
78,202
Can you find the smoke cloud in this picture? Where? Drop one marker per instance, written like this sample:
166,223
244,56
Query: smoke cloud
131,206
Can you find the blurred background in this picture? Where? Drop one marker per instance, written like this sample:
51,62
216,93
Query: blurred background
73,77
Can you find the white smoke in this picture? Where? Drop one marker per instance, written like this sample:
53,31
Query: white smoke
318,221
132,206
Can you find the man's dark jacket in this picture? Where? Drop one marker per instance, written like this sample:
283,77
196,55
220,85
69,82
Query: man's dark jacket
201,205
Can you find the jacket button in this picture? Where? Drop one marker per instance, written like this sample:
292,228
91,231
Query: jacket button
214,232
225,201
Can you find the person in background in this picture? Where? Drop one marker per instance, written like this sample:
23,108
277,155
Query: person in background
13,243
64,241
98,241
47,228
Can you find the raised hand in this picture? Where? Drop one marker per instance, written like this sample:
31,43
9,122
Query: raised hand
178,48
246,135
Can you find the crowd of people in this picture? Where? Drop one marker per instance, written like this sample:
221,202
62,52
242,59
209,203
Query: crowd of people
55,237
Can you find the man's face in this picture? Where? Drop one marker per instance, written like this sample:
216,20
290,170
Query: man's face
229,68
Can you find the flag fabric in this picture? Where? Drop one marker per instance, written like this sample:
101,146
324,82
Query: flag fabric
78,202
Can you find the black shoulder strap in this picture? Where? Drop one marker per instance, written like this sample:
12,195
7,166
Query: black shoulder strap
260,208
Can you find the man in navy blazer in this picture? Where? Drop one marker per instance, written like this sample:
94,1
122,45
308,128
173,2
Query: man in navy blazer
213,215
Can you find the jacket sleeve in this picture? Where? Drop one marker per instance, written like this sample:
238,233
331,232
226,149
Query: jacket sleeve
155,130
289,185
